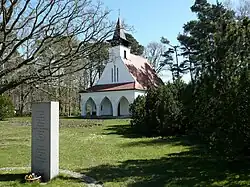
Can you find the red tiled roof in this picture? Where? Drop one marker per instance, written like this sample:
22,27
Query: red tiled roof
112,87
142,72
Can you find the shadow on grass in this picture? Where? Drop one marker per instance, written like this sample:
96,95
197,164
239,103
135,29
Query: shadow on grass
13,177
123,130
126,131
189,168
174,141
68,178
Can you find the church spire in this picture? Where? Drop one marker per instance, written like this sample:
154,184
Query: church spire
119,31
119,37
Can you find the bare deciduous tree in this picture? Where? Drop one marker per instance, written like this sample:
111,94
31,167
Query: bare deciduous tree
154,52
29,29
244,8
241,7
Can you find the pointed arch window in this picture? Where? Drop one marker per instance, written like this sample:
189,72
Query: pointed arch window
117,74
114,73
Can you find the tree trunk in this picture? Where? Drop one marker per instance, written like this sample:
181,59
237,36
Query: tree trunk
191,72
177,62
69,104
21,101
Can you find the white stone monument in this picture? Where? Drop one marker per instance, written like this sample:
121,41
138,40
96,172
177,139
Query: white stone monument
45,139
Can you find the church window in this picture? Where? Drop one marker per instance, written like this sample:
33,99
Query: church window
112,75
125,54
117,75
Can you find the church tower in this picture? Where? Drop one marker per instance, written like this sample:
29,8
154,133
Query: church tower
120,44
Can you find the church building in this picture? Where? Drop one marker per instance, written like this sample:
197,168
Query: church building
125,77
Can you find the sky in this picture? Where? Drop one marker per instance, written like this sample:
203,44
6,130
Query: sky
152,19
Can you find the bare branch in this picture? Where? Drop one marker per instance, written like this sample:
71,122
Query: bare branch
154,52
40,38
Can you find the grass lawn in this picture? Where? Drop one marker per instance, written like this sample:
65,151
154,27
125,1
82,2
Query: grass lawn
107,151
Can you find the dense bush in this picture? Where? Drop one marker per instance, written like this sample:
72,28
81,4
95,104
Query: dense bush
6,107
215,105
160,111
218,117
138,112
221,116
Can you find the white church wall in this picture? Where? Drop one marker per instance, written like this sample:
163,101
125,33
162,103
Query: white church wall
138,93
113,96
118,51
110,75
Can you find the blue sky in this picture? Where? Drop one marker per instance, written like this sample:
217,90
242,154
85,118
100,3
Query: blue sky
152,19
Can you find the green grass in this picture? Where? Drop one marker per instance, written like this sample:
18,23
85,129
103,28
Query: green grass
108,151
